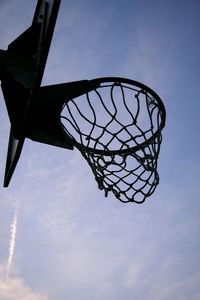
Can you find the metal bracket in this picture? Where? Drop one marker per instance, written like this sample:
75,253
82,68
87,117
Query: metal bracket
44,123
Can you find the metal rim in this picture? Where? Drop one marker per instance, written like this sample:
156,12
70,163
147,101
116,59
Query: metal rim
98,82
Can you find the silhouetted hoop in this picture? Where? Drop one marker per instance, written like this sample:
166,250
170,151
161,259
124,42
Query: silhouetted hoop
117,128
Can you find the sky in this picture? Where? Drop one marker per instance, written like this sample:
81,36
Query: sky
60,238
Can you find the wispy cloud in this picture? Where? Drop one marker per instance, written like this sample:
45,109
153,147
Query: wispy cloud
16,288
184,289
13,232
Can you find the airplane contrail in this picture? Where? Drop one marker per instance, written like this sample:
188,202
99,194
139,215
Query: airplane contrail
13,231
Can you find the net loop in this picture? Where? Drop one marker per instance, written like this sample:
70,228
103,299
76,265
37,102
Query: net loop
117,128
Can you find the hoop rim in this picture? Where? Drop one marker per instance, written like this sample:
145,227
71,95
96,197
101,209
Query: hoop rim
117,80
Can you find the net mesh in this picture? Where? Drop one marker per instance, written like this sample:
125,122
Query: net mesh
117,128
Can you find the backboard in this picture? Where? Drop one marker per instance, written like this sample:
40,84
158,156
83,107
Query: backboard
21,70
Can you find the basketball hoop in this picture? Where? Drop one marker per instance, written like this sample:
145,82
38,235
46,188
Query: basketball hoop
115,123
117,128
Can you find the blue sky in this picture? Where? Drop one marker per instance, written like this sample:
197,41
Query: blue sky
70,241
